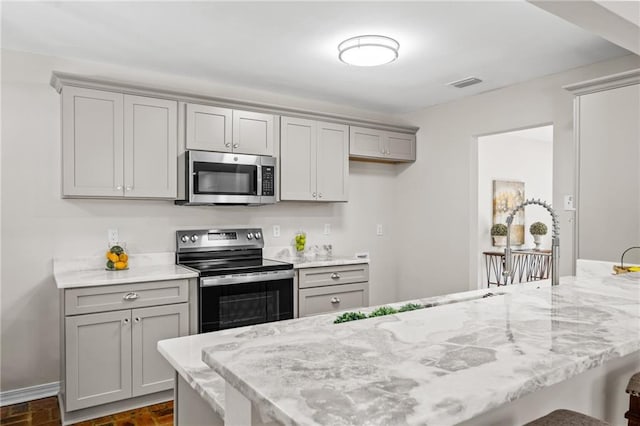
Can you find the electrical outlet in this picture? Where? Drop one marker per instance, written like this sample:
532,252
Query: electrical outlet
276,231
379,229
569,202
327,228
112,235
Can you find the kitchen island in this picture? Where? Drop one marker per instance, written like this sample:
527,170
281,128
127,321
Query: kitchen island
442,365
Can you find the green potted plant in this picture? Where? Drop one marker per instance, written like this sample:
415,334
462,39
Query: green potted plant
538,229
499,234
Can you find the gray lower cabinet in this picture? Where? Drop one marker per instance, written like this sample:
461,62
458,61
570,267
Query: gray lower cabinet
332,289
98,358
110,356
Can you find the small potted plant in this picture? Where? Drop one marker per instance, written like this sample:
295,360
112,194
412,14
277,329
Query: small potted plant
538,229
499,234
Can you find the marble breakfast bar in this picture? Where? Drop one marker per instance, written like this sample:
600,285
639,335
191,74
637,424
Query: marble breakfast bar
504,359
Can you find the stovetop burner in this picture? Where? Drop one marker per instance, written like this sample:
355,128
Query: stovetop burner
224,251
211,268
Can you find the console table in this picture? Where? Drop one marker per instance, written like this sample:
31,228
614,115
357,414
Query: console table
528,265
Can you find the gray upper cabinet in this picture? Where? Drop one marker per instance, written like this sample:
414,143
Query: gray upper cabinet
297,159
381,145
150,143
116,145
92,143
253,133
332,161
313,160
210,128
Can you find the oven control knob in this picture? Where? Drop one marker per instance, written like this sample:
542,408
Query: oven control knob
184,239
250,236
258,235
194,238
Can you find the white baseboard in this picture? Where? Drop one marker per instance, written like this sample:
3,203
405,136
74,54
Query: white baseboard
30,393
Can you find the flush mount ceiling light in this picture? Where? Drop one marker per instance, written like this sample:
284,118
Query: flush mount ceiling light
368,50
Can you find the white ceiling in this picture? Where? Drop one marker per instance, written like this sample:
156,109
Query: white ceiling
291,47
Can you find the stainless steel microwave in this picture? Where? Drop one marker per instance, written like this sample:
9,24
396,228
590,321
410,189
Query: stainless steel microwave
218,178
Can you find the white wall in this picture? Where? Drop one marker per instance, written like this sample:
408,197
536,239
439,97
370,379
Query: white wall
38,225
515,157
438,197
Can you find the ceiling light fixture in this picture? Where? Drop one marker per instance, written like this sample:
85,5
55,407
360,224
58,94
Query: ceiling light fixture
368,50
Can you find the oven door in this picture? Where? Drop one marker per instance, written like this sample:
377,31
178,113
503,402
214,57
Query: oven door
235,301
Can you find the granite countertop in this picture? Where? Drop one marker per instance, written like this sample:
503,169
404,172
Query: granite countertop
90,271
312,258
441,365
185,353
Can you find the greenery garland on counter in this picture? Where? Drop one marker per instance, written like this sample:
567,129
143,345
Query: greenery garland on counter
381,311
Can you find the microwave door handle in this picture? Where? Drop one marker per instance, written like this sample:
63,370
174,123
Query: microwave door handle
259,181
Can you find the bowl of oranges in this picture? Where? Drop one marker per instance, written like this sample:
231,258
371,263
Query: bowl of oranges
117,257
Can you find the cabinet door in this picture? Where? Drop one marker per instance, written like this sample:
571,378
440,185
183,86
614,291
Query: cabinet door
208,128
92,143
252,133
150,371
98,358
297,159
400,146
367,143
332,161
150,147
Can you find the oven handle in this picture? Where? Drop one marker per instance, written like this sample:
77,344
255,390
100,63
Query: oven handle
246,278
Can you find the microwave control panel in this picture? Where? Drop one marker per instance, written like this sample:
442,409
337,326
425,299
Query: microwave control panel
268,181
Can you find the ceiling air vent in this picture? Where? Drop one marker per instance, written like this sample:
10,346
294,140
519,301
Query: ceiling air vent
465,82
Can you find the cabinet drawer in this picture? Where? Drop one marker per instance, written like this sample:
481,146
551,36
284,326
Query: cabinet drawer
335,298
333,275
124,296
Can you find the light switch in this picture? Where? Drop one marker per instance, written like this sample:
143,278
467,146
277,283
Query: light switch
379,229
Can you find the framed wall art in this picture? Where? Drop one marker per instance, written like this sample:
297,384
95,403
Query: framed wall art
506,196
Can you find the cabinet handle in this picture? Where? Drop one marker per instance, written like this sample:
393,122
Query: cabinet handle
130,296
128,187
119,188
335,300
319,194
227,144
137,319
335,276
313,195
125,321
388,152
235,145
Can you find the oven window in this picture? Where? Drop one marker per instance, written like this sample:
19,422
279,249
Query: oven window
225,179
237,305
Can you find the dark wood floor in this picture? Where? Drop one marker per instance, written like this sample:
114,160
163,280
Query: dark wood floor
45,412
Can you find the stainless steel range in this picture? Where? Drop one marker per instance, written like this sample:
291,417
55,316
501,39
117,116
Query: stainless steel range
237,287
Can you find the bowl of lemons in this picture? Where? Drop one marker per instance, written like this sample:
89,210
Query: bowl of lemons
117,257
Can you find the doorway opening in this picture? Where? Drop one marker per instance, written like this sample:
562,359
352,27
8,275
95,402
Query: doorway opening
512,166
